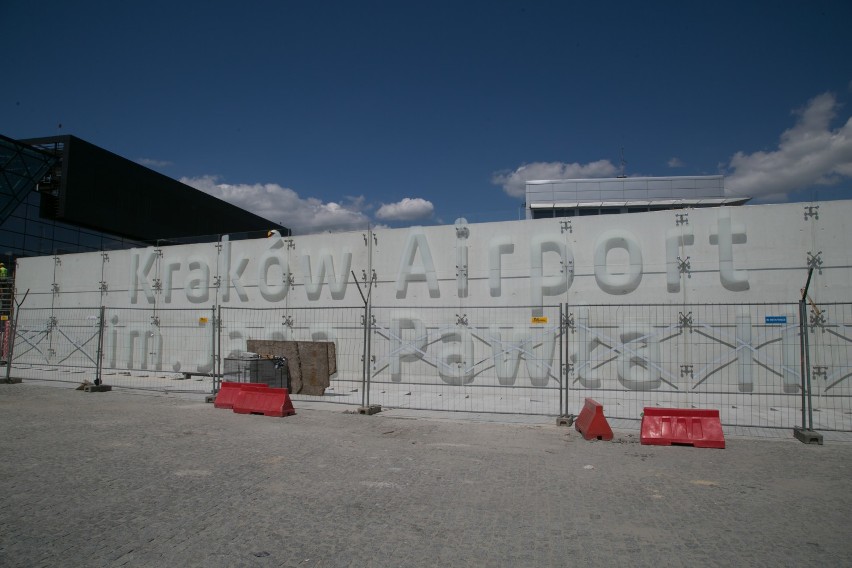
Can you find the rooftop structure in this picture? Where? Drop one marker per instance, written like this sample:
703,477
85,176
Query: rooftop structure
603,196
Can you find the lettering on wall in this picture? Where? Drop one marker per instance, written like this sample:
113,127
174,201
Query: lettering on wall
618,266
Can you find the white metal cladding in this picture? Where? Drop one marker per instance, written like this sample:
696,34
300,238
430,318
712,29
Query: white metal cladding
468,289
757,253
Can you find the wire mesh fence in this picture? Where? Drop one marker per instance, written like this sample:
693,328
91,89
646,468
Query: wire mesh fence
56,343
743,359
163,350
830,342
473,359
740,359
168,350
342,326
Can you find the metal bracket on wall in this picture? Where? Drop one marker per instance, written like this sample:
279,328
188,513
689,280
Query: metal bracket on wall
461,319
686,370
681,219
568,321
817,318
821,370
57,260
374,278
684,267
815,261
104,287
105,256
155,321
462,232
565,226
158,286
685,319
54,287
812,211
287,320
290,244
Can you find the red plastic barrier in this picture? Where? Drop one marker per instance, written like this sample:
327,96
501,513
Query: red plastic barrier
667,426
228,393
591,422
268,401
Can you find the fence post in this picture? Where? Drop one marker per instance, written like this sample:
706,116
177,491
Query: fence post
368,336
562,368
11,332
364,368
217,347
806,433
13,335
99,364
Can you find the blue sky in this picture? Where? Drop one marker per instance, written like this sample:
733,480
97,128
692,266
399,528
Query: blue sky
332,115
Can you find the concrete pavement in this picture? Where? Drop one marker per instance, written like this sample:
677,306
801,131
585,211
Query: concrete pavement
125,479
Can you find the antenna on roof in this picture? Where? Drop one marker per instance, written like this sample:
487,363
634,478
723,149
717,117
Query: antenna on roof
623,164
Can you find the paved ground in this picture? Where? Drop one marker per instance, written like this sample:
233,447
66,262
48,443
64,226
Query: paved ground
123,479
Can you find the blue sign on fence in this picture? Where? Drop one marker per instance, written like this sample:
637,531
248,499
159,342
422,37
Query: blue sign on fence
775,319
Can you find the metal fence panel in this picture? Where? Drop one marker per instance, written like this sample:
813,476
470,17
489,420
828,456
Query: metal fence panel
164,349
830,329
341,325
56,343
742,359
472,359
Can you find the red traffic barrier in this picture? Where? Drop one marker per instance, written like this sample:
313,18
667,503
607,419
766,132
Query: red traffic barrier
591,422
268,401
667,426
228,393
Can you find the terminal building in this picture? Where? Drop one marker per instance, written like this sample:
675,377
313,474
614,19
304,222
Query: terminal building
607,196
63,195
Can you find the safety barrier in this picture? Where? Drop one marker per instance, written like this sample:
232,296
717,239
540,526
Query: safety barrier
667,426
228,393
591,422
266,401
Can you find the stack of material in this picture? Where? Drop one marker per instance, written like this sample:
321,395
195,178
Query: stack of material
311,363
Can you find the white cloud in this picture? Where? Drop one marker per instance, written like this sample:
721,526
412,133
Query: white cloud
810,153
675,162
514,182
283,205
406,210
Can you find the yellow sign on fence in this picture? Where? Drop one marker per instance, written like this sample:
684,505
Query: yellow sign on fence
538,319
202,320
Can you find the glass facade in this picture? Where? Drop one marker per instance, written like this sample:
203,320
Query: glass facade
26,233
